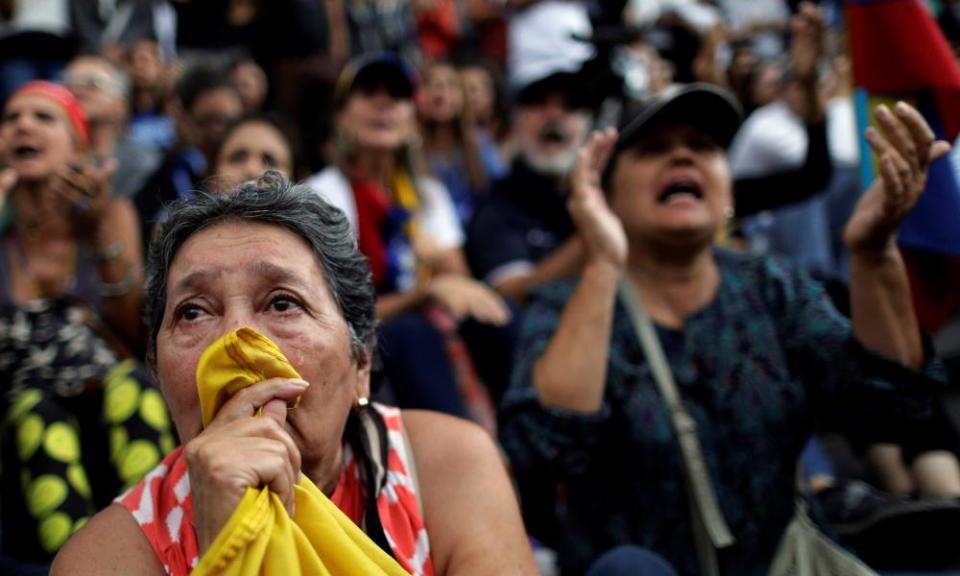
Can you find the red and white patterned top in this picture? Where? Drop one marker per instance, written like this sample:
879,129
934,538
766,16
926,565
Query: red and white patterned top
163,507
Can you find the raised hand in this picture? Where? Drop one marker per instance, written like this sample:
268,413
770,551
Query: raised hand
239,450
806,46
601,231
462,297
85,190
905,147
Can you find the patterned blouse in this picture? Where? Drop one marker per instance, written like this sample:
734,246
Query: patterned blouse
163,507
756,368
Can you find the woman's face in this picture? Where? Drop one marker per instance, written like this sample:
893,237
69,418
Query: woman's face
672,187
145,65
264,277
441,98
38,137
375,120
250,150
478,88
251,83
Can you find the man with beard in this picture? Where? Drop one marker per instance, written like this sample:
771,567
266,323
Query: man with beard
522,235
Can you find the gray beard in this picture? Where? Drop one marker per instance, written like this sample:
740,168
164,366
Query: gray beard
556,166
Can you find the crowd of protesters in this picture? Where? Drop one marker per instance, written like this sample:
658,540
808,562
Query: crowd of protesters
470,145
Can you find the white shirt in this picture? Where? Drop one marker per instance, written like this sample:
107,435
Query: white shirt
437,216
40,16
774,139
540,41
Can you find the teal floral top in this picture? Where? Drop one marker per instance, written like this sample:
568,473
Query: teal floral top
757,368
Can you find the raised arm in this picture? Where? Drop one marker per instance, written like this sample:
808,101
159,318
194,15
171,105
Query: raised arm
572,372
110,229
756,194
883,315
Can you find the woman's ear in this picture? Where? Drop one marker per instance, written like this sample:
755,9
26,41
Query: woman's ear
364,368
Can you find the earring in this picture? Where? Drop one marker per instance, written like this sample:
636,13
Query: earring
728,212
362,403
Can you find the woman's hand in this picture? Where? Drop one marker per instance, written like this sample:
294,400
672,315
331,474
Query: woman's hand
85,190
239,450
806,47
905,147
602,232
462,296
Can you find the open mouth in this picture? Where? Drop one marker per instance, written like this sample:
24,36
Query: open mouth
25,152
681,190
553,135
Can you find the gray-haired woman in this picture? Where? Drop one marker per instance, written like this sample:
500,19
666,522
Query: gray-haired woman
279,259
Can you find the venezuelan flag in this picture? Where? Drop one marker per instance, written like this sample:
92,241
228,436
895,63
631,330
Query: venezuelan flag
899,53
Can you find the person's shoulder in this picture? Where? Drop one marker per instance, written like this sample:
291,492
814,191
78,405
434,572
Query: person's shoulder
440,433
128,552
499,207
462,475
446,446
329,177
431,188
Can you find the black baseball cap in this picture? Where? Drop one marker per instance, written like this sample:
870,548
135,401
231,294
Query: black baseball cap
707,108
385,69
569,85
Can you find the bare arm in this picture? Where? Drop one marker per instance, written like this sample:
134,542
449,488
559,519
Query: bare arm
120,269
883,316
470,510
571,374
111,543
110,229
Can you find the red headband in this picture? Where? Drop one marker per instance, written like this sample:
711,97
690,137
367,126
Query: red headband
65,99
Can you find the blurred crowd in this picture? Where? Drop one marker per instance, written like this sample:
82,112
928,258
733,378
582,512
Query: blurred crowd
449,132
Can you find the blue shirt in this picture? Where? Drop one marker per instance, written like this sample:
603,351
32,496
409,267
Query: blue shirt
755,369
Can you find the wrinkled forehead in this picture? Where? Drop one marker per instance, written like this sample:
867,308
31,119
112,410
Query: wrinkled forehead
236,243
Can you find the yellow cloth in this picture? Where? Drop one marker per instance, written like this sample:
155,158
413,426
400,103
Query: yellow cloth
260,538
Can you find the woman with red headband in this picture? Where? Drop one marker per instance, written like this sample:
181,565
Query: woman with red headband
71,275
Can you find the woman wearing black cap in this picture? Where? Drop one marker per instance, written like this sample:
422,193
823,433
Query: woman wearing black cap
756,349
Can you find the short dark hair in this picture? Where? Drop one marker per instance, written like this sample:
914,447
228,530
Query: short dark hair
278,122
199,80
271,199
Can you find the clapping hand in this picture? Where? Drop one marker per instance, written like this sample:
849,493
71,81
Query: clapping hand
602,232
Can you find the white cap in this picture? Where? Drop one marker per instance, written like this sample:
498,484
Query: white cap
541,41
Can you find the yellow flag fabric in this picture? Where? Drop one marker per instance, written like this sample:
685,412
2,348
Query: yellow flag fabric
260,538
